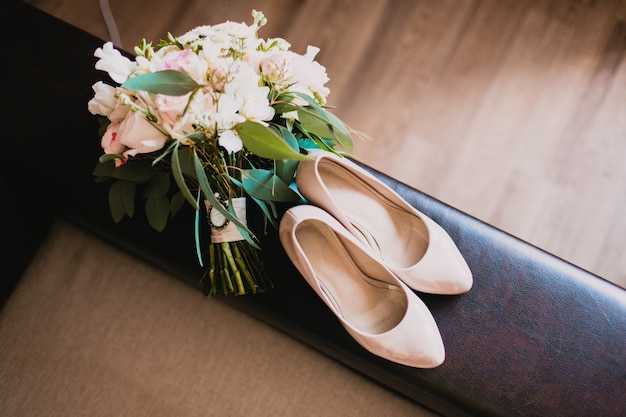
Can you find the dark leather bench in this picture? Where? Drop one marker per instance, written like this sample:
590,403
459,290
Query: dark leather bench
536,336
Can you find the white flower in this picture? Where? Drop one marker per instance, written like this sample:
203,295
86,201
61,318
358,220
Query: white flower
111,60
255,106
251,99
107,103
195,34
310,76
227,114
230,141
104,101
277,68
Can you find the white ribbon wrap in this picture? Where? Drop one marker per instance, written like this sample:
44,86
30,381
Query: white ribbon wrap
223,230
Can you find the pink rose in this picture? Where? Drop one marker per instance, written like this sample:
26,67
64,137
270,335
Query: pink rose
139,135
177,60
171,108
173,117
110,142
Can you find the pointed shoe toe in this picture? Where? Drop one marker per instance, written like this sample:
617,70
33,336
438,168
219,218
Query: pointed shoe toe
442,263
377,309
410,244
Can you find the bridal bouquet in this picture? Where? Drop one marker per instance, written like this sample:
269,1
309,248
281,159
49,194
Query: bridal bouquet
216,118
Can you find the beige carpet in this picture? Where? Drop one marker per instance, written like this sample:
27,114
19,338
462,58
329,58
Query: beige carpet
91,331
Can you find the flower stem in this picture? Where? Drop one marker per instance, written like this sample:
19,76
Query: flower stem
233,266
244,270
227,284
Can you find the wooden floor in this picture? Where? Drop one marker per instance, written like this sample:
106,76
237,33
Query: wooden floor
511,111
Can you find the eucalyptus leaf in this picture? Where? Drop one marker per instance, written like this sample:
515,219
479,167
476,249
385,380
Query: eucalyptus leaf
265,185
284,107
166,152
196,233
265,208
289,138
167,82
286,170
157,212
185,158
342,134
265,143
321,124
180,179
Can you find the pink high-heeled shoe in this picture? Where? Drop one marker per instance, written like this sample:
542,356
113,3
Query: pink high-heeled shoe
406,241
379,311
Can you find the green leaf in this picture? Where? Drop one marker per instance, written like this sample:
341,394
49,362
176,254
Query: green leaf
157,212
265,208
104,169
197,232
108,157
135,170
263,142
283,107
176,203
196,137
121,200
180,179
158,186
321,122
289,138
185,158
168,82
116,205
264,185
286,170
127,190
324,125
138,170
342,134
165,153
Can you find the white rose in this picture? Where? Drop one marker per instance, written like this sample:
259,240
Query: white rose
139,135
112,61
